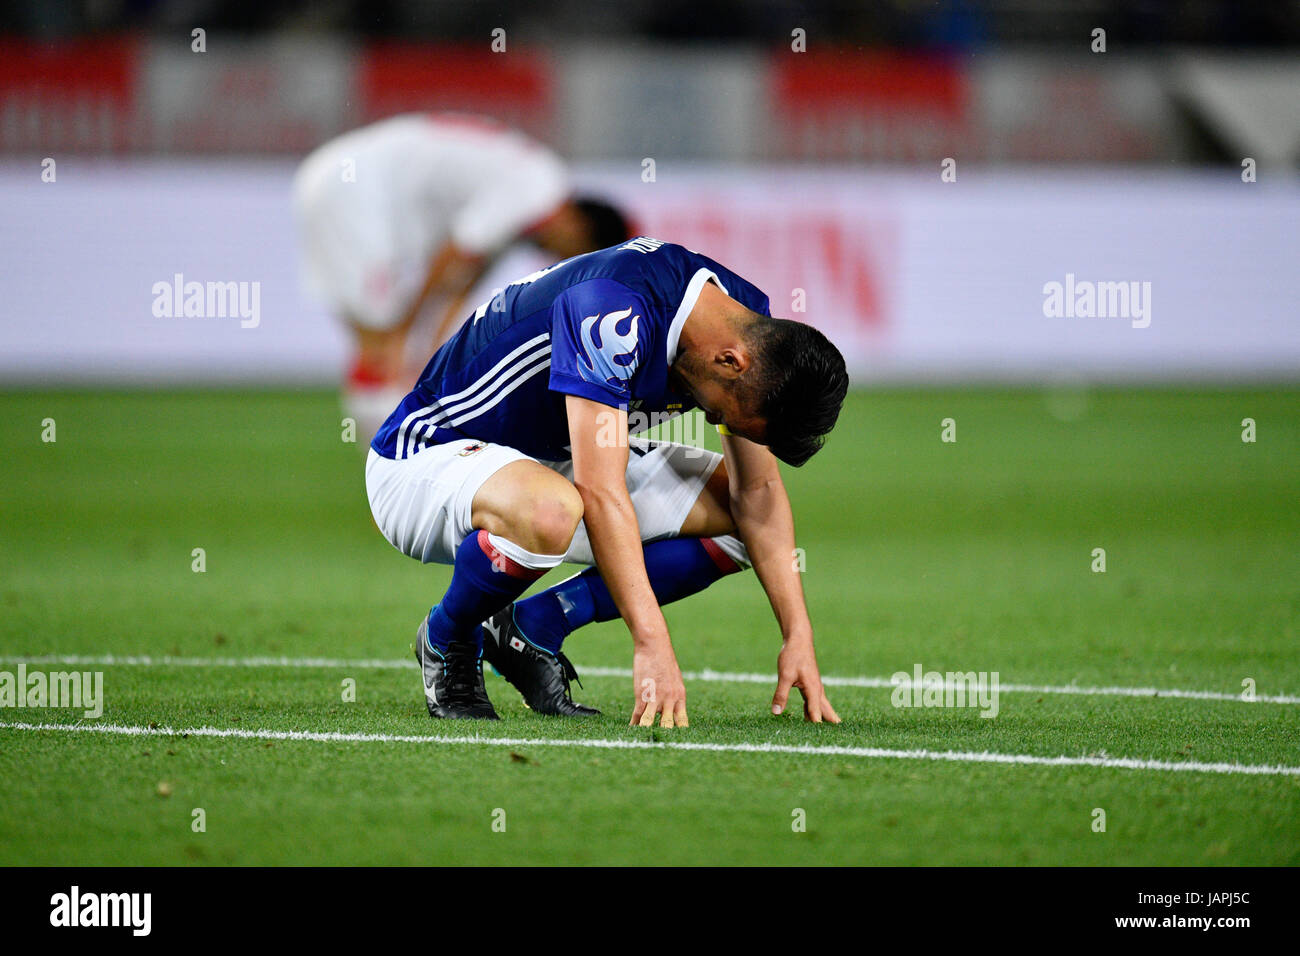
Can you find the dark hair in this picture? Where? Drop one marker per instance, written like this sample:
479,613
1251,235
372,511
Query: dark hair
606,224
799,385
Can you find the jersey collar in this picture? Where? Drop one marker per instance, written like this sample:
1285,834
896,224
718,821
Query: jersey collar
689,298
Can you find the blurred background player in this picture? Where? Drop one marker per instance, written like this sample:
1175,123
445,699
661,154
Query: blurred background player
400,219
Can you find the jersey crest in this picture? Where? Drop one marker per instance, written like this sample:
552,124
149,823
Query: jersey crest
611,351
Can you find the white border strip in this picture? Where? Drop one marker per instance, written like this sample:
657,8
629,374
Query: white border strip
1123,763
707,676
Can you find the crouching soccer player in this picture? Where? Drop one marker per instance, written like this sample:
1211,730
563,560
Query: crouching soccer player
415,208
512,454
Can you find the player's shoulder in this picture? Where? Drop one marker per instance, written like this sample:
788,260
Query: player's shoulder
660,273
643,264
672,268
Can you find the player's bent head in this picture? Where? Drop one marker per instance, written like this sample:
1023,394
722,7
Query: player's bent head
797,383
581,225
606,225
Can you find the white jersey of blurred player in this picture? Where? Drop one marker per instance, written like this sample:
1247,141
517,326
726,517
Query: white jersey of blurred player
412,209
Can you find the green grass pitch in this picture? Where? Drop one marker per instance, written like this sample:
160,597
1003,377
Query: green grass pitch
967,555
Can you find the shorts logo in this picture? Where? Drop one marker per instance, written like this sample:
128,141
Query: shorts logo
611,349
470,449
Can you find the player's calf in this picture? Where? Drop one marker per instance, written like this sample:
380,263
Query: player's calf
491,571
523,641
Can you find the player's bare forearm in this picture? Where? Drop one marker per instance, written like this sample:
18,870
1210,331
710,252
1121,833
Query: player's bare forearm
600,475
459,283
616,545
451,271
765,523
439,266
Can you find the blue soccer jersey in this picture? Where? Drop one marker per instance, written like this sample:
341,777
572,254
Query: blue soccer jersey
602,326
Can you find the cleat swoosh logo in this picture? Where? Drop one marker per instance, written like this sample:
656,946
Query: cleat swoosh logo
429,690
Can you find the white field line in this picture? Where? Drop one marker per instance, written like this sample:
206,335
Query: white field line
114,660
1123,763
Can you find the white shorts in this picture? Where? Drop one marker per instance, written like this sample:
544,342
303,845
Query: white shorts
423,504
352,253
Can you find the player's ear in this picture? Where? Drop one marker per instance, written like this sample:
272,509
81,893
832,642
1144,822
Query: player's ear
731,363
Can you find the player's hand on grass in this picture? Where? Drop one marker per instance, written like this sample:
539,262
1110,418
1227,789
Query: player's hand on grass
659,688
796,666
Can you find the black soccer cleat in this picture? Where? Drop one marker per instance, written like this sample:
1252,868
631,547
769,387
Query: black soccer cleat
542,677
453,683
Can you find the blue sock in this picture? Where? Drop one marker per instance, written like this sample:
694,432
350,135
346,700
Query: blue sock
677,568
483,582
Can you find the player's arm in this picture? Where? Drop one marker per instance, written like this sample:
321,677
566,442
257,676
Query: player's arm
453,273
765,523
486,223
600,475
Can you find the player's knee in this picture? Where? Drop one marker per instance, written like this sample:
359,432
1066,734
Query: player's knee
554,519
